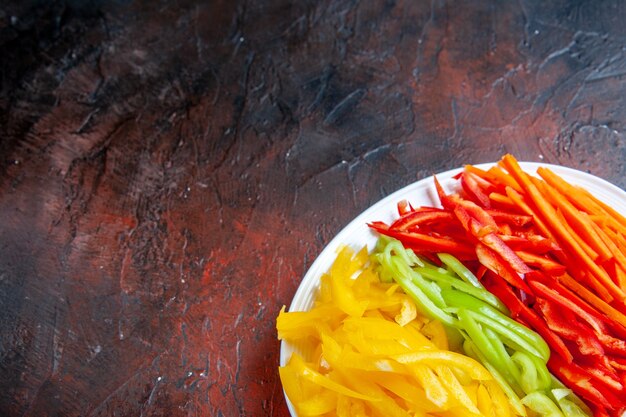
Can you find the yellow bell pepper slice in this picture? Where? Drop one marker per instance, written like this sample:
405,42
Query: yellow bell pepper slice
435,331
370,353
322,403
304,371
452,384
434,389
452,359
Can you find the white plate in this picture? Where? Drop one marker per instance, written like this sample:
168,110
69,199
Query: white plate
421,193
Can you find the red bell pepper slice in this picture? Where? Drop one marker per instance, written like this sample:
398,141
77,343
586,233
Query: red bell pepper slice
581,382
598,411
482,226
562,297
404,207
421,216
501,216
612,345
476,228
474,211
463,217
473,190
423,242
601,323
543,263
618,363
591,353
533,243
605,375
492,241
564,323
521,312
443,197
493,262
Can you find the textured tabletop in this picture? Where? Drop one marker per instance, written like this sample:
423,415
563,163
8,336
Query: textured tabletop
170,169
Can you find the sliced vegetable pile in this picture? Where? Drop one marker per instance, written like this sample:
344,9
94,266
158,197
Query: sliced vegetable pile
375,355
515,355
552,253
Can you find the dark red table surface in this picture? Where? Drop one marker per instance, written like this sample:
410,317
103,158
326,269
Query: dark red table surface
170,169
